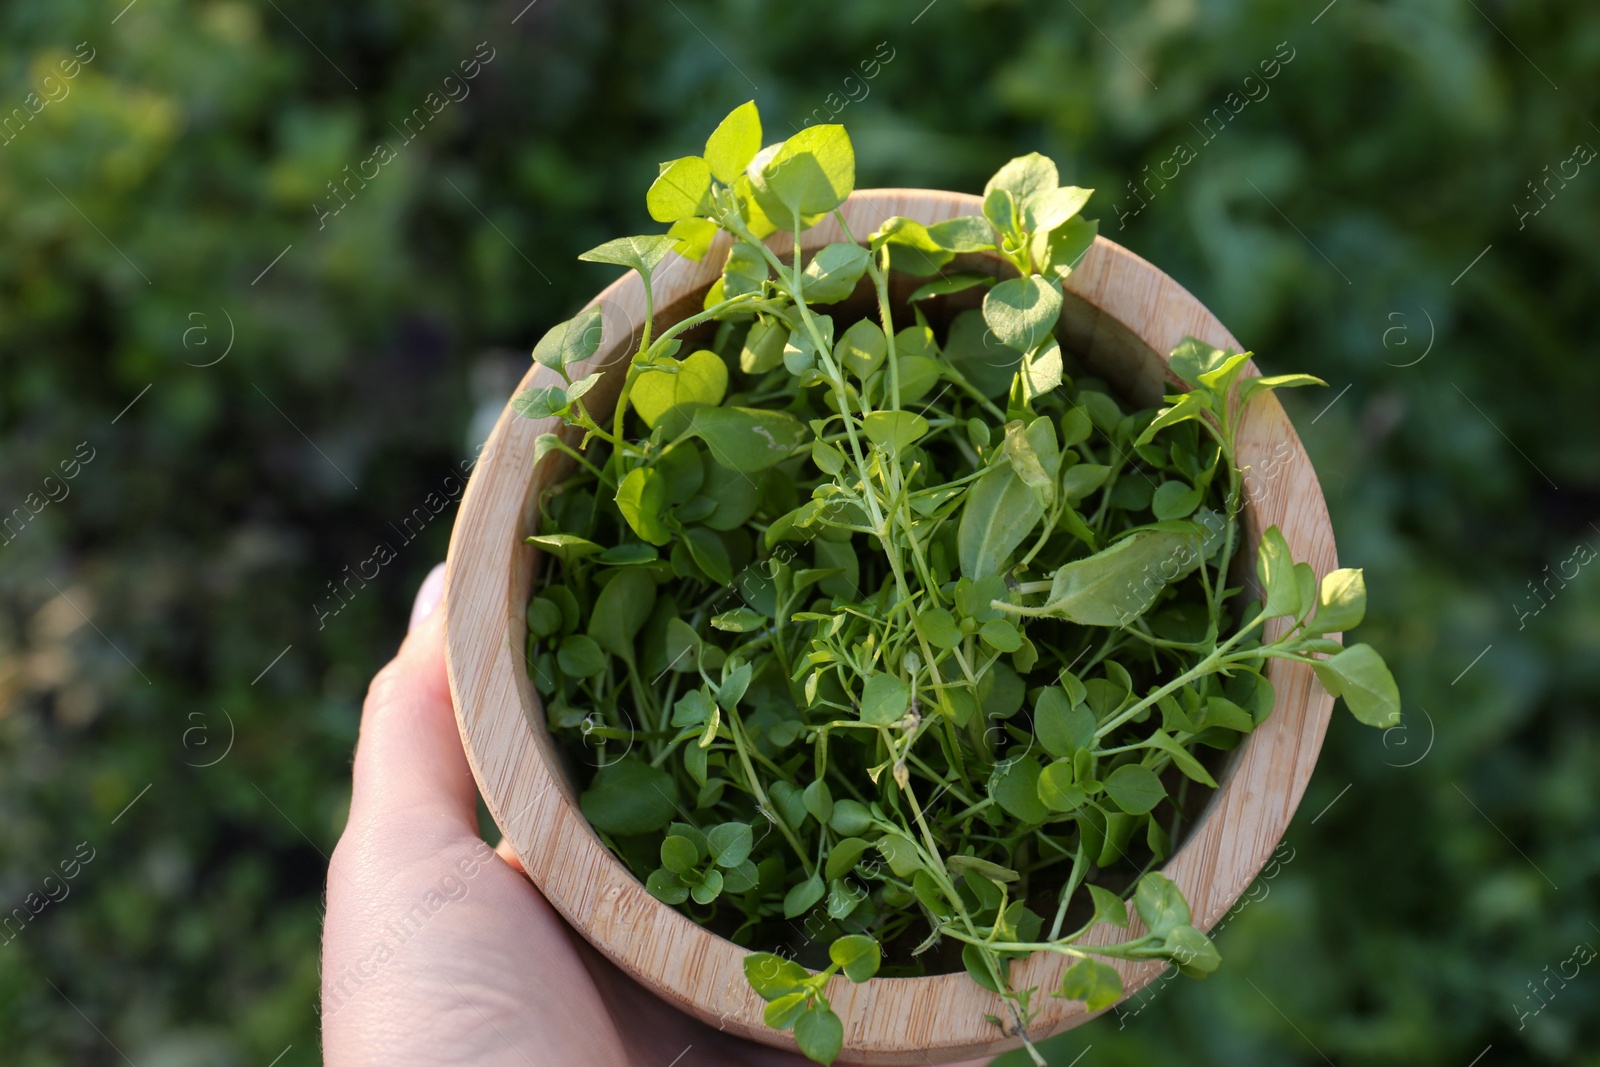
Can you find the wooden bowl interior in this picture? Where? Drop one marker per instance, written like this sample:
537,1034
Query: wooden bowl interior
1120,318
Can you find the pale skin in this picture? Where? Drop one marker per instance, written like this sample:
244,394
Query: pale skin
438,951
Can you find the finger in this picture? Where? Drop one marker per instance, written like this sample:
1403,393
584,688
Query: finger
509,854
409,757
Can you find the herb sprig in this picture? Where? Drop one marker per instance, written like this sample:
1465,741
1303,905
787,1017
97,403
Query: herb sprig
889,638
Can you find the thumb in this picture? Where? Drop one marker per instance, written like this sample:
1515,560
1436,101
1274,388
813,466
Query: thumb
409,759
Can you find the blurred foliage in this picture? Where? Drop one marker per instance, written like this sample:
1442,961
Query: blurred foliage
164,203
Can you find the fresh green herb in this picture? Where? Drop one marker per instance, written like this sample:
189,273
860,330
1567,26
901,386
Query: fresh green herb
896,637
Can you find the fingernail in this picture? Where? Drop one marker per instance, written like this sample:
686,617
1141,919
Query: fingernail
428,596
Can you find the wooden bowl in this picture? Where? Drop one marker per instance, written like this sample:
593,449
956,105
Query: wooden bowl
1122,316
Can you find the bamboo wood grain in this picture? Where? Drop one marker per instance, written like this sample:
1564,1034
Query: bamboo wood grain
1122,316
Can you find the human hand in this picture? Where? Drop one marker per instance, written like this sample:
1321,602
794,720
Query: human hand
437,950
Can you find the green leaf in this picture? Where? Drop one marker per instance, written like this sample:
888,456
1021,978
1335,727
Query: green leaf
741,878
739,621
1042,369
1305,580
1190,405
1097,984
1275,569
1024,177
1160,904
669,398
544,617
1062,726
1251,386
730,843
1360,676
570,342
787,801
1135,788
564,546
862,348
939,627
763,346
679,854
960,865
737,496
1058,788
964,233
1081,479
1221,378
1175,500
1049,208
1224,713
901,855
894,431
1016,789
576,390
540,402
951,283
625,555
735,680
709,554
850,818
829,460
745,270
833,272
734,143
843,900
692,237
977,963
1064,247
641,253
715,295
642,499
693,708
844,856
803,897
1022,312
1192,951
818,800
682,190
973,350
1032,453
999,513
630,797
912,247
885,699
1108,907
543,445
857,955
621,610
1181,758
786,1010
1342,603
755,219
580,657
918,373
1001,510
667,887
1118,584
1000,635
810,173
708,888
748,439
1193,357
820,1034
772,976
1000,208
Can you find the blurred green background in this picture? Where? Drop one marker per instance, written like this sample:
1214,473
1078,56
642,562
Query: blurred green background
300,382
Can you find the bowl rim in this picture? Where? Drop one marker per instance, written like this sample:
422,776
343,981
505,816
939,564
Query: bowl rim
1118,304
